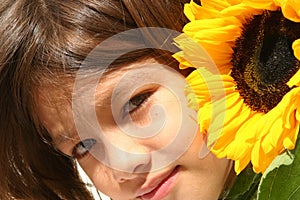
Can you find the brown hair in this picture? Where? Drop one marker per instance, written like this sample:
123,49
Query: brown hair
39,39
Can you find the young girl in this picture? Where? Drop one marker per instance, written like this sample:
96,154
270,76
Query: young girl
119,110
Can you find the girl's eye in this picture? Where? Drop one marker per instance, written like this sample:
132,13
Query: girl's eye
83,147
134,103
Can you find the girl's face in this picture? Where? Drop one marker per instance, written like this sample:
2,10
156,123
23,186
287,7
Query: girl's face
134,135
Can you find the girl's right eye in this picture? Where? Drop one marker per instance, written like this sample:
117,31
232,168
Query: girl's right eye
83,147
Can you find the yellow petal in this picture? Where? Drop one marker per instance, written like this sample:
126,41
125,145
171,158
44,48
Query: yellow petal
241,11
296,48
204,117
273,135
239,165
289,141
289,106
295,80
191,10
256,156
183,63
215,4
261,4
291,9
224,124
226,25
245,136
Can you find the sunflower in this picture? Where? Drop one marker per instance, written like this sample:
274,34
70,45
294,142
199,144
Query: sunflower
250,105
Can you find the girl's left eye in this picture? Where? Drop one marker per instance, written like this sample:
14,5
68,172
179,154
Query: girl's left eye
83,147
134,103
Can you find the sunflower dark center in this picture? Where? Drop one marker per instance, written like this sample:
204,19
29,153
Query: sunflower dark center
263,60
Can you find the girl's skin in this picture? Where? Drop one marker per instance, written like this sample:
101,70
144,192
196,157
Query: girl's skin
129,163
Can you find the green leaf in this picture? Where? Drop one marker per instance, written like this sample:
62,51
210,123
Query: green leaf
282,182
245,186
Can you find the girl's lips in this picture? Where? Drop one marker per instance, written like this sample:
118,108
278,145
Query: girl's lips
163,188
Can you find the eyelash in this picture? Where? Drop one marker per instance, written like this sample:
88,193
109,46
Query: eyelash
137,102
83,147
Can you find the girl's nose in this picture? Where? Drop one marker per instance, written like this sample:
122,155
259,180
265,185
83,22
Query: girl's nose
127,163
